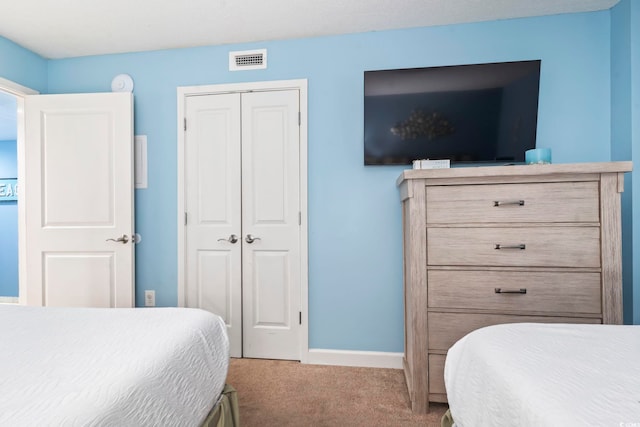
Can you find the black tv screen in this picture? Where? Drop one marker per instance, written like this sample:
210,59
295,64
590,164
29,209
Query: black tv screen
464,113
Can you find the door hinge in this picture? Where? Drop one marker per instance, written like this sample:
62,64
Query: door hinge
185,218
300,317
299,218
299,118
185,124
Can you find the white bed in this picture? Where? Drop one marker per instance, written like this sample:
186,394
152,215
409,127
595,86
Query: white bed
110,367
545,375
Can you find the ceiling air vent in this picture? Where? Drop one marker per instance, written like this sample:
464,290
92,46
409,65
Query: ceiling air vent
248,60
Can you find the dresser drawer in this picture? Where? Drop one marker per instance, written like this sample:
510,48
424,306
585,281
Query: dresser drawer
447,328
436,373
542,292
541,202
514,246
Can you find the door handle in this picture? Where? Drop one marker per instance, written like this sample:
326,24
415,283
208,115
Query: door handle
250,239
122,239
231,239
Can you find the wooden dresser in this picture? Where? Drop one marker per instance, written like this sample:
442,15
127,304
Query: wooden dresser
503,244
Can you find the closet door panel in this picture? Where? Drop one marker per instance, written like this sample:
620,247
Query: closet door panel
213,187
271,229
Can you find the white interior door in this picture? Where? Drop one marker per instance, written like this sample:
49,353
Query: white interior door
271,224
78,195
213,223
242,181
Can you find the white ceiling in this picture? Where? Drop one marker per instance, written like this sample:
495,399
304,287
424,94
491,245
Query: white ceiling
70,28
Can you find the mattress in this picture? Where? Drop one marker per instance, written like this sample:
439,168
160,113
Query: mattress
545,375
110,367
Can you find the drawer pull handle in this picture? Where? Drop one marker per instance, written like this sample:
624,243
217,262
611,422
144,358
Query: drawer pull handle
508,202
510,291
521,246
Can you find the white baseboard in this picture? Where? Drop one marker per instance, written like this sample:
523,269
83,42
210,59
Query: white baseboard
363,359
8,300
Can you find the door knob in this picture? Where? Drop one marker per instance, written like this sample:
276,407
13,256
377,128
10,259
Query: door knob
231,239
122,239
250,239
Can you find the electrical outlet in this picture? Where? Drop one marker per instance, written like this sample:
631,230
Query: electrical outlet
149,298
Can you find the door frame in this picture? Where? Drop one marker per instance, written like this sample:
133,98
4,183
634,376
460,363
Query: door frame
20,92
301,86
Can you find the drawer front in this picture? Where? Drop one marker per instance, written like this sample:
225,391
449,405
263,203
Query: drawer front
514,246
436,373
447,328
540,292
540,202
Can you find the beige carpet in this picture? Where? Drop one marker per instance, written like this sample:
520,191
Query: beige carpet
283,393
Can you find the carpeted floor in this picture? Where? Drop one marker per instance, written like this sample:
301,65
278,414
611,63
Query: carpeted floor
283,393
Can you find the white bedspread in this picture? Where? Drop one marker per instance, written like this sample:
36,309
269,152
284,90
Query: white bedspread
545,375
109,367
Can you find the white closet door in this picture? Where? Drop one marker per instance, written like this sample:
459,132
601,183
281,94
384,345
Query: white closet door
270,224
243,180
79,200
213,223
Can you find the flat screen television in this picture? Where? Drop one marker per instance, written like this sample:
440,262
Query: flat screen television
465,113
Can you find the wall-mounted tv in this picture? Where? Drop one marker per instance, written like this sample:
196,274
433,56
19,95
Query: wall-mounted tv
465,113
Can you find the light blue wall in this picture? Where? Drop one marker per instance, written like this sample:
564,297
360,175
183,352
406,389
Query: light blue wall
8,225
625,137
634,52
355,265
22,66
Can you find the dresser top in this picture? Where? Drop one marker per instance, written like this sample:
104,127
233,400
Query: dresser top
516,170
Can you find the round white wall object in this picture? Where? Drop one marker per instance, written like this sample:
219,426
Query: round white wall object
122,83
